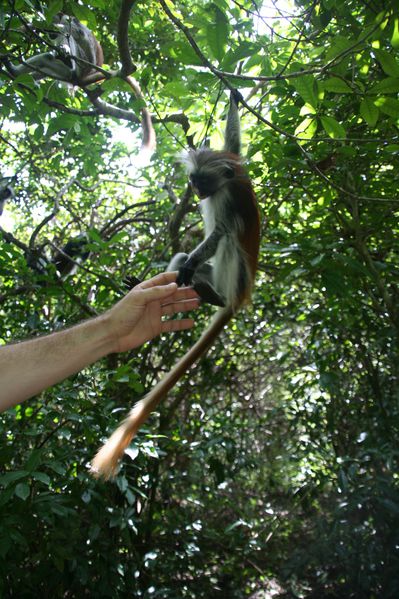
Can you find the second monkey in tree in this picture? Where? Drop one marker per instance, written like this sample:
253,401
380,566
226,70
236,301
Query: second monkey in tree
75,53
222,268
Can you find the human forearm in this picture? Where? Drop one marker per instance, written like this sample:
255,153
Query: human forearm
28,367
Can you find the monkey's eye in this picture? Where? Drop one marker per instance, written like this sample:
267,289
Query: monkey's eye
229,172
197,179
54,35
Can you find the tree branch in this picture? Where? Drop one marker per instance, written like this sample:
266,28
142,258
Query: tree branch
107,109
128,65
50,216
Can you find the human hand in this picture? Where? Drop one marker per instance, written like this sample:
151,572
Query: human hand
138,316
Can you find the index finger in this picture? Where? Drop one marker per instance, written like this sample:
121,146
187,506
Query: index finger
164,278
181,294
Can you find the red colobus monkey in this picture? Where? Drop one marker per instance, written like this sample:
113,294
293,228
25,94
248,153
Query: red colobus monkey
222,268
75,52
6,192
71,255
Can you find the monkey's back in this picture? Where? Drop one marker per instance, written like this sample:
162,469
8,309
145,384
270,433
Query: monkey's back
245,205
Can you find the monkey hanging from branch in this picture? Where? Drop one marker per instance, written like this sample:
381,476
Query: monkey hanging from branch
73,59
75,54
68,258
6,191
221,268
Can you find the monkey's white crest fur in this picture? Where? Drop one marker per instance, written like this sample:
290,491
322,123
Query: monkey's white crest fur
214,162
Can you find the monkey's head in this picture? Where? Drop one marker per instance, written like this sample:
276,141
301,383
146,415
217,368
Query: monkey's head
209,171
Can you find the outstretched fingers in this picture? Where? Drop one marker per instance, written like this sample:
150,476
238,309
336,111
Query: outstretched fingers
164,278
162,288
179,306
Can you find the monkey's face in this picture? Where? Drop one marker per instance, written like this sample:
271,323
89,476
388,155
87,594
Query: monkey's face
209,171
203,185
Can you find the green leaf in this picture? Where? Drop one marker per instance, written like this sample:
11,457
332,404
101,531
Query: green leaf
10,477
392,506
84,14
235,525
388,106
342,480
337,85
389,65
57,467
339,45
175,89
390,85
395,34
306,129
217,33
39,133
60,123
183,52
22,491
368,111
132,452
55,6
42,477
307,88
332,127
34,459
131,498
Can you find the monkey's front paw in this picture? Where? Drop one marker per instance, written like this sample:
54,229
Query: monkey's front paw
185,275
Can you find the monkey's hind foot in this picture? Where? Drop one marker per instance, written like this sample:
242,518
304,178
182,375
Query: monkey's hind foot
208,294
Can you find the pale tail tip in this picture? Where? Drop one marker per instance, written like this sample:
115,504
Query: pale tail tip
103,467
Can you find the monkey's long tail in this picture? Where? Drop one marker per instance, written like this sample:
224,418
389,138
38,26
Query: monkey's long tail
105,463
149,141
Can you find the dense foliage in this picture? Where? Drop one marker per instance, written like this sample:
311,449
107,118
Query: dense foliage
275,461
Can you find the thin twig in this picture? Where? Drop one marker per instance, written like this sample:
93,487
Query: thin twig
50,216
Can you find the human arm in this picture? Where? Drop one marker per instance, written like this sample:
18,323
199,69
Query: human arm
28,367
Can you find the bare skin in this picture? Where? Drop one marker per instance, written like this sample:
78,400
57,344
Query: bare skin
28,367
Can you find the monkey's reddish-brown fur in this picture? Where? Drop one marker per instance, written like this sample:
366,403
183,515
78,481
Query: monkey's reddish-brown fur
245,201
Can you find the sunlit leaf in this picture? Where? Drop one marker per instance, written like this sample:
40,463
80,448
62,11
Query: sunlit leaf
388,62
369,111
307,128
217,32
388,105
395,34
307,88
332,127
